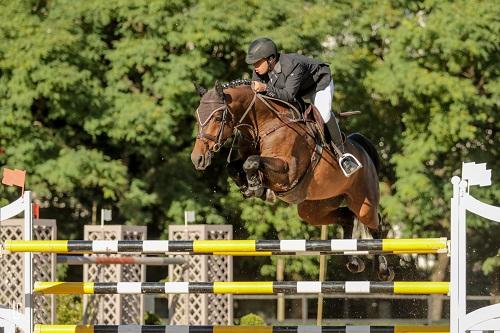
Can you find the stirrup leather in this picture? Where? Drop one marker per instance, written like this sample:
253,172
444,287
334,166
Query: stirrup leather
345,156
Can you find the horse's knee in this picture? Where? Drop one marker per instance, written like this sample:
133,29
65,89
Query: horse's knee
252,163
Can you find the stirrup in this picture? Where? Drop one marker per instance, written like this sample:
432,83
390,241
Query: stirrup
345,156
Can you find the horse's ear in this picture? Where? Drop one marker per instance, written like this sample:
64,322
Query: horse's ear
199,89
219,89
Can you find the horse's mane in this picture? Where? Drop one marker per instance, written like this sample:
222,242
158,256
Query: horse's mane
236,83
242,82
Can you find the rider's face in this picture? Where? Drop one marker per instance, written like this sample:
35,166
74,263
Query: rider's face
261,66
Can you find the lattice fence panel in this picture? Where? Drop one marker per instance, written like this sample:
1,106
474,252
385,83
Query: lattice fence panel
186,309
201,309
131,313
114,309
220,269
11,268
44,270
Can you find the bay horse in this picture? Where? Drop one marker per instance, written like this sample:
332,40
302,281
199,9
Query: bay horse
283,153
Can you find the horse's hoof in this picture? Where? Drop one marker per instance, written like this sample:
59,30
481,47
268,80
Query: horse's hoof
246,192
250,165
260,192
386,274
270,196
355,265
403,263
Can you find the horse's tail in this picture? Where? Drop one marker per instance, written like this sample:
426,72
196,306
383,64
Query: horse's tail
368,147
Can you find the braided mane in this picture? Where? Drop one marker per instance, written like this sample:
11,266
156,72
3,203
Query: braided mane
236,83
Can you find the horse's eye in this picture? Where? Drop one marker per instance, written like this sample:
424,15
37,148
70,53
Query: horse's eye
218,119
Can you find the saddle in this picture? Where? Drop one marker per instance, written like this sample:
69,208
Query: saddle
306,113
310,115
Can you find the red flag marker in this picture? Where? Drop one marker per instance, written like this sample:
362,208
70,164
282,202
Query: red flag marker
14,177
36,211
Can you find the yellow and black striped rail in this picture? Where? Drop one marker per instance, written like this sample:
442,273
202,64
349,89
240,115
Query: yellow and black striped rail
248,288
333,246
237,329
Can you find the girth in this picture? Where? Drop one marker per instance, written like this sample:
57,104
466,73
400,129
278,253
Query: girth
298,191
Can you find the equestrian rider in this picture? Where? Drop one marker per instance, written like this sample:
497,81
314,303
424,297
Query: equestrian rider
290,77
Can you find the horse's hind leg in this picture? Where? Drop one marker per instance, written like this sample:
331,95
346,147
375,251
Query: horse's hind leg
370,217
365,205
354,263
385,273
323,212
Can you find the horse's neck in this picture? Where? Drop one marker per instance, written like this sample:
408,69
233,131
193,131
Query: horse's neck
244,104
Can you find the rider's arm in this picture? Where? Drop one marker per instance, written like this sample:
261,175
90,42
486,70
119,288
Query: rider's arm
292,86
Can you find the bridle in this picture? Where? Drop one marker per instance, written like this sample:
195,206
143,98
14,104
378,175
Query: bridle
217,139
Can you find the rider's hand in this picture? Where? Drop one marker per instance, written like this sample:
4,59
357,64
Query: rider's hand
259,86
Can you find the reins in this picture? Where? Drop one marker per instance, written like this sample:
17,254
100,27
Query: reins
294,117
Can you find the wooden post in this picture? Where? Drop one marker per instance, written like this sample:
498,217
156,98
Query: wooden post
280,275
305,309
322,275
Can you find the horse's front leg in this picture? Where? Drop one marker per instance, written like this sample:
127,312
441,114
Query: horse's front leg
255,165
254,179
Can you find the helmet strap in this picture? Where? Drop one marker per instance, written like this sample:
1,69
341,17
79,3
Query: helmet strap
271,61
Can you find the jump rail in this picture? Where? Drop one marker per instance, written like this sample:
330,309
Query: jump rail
250,288
101,260
333,246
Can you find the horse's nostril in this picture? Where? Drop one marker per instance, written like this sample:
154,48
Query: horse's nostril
200,160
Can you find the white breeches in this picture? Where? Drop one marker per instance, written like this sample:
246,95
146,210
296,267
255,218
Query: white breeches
322,100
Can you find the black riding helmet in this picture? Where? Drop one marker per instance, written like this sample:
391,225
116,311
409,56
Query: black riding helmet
259,49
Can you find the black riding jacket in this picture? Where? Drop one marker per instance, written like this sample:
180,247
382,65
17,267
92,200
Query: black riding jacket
295,76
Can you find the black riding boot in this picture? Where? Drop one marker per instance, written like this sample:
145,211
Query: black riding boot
348,163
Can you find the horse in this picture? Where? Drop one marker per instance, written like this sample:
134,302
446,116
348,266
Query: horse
282,152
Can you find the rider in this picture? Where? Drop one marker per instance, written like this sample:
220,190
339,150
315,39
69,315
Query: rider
290,77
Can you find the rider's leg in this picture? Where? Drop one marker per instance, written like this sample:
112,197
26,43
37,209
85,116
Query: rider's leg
323,102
